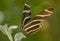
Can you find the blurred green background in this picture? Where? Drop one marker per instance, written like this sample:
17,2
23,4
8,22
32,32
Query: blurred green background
12,10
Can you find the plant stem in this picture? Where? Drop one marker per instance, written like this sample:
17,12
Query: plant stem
9,36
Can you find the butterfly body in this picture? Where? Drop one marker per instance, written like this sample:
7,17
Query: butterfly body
33,25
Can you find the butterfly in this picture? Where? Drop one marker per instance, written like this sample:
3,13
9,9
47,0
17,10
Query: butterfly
33,25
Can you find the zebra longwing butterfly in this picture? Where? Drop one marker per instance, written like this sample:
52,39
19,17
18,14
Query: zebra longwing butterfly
32,25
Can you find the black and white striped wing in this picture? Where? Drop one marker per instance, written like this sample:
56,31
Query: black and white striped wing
26,13
35,24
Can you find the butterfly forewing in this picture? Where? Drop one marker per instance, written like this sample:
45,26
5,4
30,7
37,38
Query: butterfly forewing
33,25
26,13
